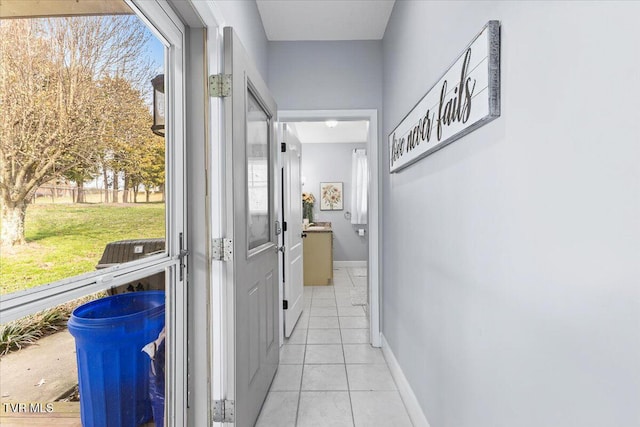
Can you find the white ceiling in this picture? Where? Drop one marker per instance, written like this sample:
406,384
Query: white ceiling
347,132
325,19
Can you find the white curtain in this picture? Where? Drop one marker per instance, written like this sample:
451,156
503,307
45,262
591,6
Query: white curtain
359,179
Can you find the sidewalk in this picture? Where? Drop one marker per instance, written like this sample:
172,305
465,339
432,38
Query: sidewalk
41,372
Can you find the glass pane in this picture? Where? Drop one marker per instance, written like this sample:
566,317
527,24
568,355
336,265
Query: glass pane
258,188
84,191
86,169
102,350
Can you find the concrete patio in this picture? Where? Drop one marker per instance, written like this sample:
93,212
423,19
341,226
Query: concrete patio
32,379
42,372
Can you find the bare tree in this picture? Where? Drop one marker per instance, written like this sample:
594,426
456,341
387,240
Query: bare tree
51,102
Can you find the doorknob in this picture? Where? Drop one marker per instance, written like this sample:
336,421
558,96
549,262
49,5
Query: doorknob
303,235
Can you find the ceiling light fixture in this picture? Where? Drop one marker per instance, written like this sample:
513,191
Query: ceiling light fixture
331,123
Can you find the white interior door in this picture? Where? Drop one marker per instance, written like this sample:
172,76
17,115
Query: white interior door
293,286
250,145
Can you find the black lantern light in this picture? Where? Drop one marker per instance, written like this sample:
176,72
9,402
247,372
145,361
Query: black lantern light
158,105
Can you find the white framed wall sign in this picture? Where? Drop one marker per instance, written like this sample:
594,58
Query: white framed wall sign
466,97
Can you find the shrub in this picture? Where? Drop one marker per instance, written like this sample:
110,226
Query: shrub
27,330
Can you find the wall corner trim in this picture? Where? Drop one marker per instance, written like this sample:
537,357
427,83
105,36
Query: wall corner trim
406,392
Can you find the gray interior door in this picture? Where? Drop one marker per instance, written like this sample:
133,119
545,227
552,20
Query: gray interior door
250,149
293,273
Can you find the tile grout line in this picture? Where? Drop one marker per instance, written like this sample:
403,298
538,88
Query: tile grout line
306,337
346,373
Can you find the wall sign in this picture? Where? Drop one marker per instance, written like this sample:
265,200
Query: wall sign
466,97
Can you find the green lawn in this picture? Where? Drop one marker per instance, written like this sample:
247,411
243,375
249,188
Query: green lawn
66,240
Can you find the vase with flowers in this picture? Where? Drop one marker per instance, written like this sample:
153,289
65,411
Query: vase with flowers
307,206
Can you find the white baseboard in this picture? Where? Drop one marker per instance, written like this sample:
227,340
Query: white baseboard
350,264
406,392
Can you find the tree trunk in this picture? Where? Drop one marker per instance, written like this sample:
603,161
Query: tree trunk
125,193
80,197
147,193
135,194
106,185
13,214
162,190
114,197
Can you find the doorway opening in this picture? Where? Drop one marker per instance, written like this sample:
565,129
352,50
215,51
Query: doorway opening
333,144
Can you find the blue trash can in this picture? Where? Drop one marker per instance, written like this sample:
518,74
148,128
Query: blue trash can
113,372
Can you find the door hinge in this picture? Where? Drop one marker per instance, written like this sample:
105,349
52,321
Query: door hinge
283,147
222,249
285,304
284,225
223,411
182,255
219,85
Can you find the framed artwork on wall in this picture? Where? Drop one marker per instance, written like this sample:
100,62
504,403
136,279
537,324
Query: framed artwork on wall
331,196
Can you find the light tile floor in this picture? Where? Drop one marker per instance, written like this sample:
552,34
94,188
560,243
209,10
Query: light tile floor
329,376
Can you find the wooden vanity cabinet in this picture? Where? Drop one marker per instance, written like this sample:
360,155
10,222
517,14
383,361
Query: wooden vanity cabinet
318,257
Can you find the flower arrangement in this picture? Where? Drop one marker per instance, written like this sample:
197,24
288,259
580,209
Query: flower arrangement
307,206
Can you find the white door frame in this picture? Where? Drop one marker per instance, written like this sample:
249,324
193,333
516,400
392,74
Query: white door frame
373,210
208,365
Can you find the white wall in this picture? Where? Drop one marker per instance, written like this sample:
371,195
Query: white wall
511,291
332,163
245,19
326,75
